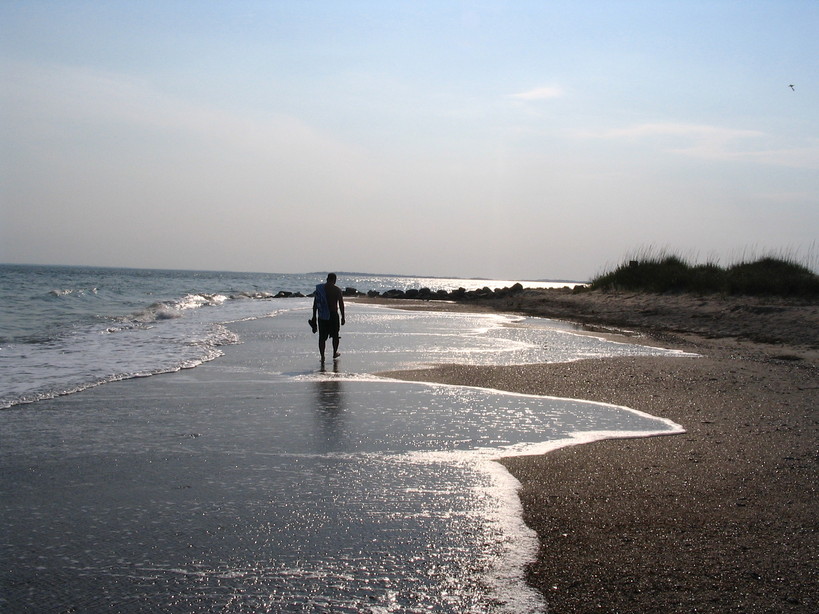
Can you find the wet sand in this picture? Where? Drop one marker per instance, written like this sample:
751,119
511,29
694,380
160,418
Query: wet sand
722,518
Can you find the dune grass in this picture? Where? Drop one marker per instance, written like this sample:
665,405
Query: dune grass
766,276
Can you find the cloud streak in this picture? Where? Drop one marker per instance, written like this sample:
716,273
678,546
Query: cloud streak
695,131
540,93
715,143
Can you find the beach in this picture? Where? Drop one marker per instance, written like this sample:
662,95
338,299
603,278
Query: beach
721,518
250,482
263,480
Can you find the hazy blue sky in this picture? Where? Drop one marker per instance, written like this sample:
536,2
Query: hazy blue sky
505,139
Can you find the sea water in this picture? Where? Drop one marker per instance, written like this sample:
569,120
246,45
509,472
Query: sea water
263,481
64,329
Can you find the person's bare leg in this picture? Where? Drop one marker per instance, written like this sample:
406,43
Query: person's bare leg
322,343
335,347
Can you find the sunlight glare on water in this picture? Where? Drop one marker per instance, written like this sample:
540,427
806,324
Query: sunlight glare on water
262,483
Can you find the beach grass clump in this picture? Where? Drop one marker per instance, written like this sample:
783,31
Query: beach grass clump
772,276
767,276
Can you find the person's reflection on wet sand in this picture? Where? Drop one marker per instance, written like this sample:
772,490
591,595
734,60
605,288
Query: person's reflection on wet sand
330,412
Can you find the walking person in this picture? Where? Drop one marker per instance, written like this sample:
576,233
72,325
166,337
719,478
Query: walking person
328,302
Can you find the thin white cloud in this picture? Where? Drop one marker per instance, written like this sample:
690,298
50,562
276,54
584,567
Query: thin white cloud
699,132
716,143
540,93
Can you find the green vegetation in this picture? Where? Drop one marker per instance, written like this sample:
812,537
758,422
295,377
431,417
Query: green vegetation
768,276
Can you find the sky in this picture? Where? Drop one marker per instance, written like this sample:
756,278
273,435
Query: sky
500,139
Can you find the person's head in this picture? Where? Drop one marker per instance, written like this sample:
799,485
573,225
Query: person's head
331,278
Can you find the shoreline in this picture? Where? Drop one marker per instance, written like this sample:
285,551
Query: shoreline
721,518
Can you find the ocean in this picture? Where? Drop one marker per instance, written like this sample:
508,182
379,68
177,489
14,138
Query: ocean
64,329
171,443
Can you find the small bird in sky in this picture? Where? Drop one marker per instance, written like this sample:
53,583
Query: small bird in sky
792,87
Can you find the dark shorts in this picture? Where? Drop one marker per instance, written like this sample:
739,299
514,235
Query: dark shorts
329,328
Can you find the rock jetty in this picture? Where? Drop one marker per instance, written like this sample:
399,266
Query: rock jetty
426,294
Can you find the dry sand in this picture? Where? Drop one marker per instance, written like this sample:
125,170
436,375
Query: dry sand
720,519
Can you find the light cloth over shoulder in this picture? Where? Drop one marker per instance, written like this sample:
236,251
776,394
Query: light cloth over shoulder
320,302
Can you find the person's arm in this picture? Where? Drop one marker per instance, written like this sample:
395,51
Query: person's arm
315,307
341,306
